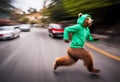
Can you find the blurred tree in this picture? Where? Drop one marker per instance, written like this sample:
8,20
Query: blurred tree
5,8
104,12
73,7
24,20
56,10
45,3
32,10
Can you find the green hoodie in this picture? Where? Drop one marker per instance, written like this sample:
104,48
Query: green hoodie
79,33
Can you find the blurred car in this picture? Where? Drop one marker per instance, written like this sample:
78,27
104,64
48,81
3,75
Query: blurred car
55,30
25,27
9,32
5,21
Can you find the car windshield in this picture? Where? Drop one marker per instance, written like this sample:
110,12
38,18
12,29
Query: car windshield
24,25
57,26
5,28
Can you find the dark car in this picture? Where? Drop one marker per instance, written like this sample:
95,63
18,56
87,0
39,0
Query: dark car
55,30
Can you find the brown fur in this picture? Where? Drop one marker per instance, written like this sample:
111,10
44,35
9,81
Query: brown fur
72,57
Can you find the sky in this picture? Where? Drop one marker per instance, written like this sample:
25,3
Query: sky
26,4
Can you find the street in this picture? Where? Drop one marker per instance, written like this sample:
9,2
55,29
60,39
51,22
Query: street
30,59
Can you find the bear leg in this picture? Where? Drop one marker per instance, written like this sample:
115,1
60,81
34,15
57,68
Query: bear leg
64,61
88,62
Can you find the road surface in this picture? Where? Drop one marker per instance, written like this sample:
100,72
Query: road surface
30,59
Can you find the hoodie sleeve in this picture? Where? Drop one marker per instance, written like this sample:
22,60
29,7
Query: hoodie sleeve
89,37
70,29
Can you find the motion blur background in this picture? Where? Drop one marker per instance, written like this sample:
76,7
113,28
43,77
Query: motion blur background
29,56
105,13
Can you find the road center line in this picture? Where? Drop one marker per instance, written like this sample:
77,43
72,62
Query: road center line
103,52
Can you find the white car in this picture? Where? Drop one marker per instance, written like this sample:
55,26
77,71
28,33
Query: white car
25,27
9,32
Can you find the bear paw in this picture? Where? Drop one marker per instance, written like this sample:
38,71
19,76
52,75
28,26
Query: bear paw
94,70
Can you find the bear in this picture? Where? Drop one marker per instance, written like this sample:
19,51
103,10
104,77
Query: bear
79,34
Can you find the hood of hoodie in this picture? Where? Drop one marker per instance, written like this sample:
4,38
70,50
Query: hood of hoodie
82,18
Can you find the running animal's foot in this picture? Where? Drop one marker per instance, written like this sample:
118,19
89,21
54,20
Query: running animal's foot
55,66
94,70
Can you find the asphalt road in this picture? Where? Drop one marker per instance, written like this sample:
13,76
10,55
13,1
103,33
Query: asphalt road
30,59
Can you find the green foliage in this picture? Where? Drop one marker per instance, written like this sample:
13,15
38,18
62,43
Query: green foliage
43,20
23,20
57,12
69,9
74,6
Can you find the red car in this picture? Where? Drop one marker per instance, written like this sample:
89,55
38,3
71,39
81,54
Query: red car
55,30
